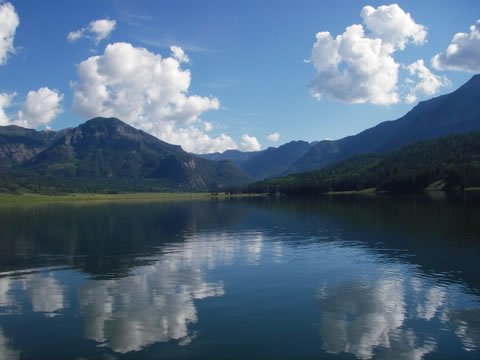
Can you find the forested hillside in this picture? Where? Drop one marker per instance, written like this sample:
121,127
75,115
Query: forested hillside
444,163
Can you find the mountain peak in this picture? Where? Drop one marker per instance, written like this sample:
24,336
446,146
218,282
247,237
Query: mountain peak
108,125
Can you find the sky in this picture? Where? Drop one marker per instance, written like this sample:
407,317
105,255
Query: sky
214,75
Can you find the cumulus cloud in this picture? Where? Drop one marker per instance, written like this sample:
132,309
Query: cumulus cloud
249,143
179,54
40,107
393,26
9,22
5,102
463,53
193,139
358,65
273,137
97,31
428,84
147,91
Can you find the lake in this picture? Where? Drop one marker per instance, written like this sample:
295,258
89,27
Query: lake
334,277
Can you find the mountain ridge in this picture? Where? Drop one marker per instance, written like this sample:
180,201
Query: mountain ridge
444,115
113,154
443,163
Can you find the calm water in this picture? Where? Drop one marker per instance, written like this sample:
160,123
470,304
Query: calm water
329,278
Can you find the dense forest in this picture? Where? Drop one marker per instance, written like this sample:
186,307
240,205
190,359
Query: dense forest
451,162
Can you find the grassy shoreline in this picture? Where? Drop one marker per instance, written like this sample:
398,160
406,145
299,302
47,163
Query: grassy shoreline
12,199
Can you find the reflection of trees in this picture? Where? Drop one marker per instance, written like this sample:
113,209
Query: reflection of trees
368,319
106,238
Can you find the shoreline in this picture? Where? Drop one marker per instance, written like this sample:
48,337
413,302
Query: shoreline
30,198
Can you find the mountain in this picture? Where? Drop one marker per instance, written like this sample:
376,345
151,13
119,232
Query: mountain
266,163
236,156
274,161
442,163
449,114
107,154
18,144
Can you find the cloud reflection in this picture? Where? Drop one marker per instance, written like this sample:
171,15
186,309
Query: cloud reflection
42,289
46,294
466,324
156,302
6,350
369,319
5,296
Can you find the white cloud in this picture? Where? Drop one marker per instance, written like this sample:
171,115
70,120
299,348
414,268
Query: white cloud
5,102
179,54
40,107
147,91
429,83
193,139
273,137
393,26
97,31
463,53
358,67
8,25
249,143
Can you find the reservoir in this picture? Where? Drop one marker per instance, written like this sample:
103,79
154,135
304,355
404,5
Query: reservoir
333,277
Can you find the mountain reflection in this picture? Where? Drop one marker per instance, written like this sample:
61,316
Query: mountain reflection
371,319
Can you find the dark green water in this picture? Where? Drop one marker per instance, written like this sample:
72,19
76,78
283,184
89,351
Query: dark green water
326,278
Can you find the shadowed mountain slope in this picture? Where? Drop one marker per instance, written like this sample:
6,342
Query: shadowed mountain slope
453,113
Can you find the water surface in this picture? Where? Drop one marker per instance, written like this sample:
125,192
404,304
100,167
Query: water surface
327,278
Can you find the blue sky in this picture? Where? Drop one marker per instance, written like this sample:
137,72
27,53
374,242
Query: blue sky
212,75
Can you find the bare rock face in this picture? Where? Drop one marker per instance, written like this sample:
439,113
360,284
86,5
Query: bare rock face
18,144
190,164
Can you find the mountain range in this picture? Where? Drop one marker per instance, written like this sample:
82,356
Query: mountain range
449,114
444,163
105,154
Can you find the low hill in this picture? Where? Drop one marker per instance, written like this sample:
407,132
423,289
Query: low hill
442,163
